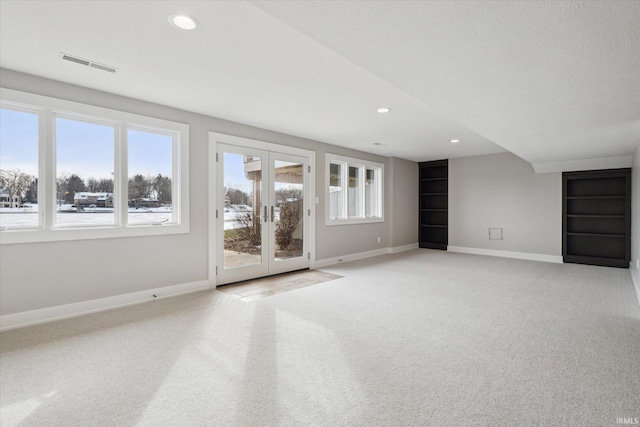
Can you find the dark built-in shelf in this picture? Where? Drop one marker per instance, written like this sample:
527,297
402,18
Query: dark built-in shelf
595,197
596,217
597,235
434,205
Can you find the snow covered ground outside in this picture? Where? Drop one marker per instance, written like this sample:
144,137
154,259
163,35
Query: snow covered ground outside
231,213
68,216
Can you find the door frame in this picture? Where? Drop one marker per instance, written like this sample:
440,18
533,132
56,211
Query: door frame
214,139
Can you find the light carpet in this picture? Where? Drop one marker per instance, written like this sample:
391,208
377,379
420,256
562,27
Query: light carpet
264,287
423,338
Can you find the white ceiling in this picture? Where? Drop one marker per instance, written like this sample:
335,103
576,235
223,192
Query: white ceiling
552,82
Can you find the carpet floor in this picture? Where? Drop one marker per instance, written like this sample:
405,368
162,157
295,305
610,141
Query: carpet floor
264,287
422,338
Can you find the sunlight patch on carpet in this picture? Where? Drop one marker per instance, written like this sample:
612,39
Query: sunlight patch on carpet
251,290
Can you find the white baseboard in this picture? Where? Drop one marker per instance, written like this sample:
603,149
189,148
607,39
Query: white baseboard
635,278
361,255
398,249
34,317
507,254
349,257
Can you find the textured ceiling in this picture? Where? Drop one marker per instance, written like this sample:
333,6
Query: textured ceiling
549,81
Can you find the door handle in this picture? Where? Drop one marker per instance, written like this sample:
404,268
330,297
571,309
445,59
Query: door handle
272,213
266,215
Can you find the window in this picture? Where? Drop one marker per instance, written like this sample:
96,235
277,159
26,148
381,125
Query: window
354,190
84,156
335,191
18,169
372,195
72,171
150,178
354,195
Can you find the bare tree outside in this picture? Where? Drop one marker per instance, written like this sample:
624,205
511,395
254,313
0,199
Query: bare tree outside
31,195
289,199
290,215
104,185
161,187
237,196
16,183
249,230
74,185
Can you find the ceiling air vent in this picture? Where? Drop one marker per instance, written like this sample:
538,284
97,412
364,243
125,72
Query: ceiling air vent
88,63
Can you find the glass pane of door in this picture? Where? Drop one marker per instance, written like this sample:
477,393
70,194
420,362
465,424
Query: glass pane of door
242,210
289,209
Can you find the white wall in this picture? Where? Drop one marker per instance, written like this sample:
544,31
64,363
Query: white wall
40,275
403,224
502,191
635,217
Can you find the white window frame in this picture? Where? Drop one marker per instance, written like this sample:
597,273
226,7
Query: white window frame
48,109
362,165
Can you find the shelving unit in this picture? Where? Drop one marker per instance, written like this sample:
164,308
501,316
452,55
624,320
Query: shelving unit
596,217
434,202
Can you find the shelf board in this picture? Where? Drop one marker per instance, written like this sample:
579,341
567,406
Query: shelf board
433,179
433,194
594,197
596,216
433,210
434,225
597,235
594,260
434,245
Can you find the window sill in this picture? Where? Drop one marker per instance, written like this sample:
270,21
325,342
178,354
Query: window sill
352,221
55,235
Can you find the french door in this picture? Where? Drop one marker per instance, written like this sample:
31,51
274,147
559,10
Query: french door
262,212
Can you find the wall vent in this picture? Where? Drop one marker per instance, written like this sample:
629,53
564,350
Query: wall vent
495,234
88,63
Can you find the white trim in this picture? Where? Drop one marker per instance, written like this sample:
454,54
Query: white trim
635,279
398,249
49,314
507,254
48,109
223,138
216,138
584,164
361,255
345,163
213,205
349,257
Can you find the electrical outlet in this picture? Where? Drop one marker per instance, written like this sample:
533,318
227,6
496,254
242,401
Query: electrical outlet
379,240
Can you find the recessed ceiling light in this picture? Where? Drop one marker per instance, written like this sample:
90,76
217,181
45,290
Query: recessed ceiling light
384,110
454,141
183,22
